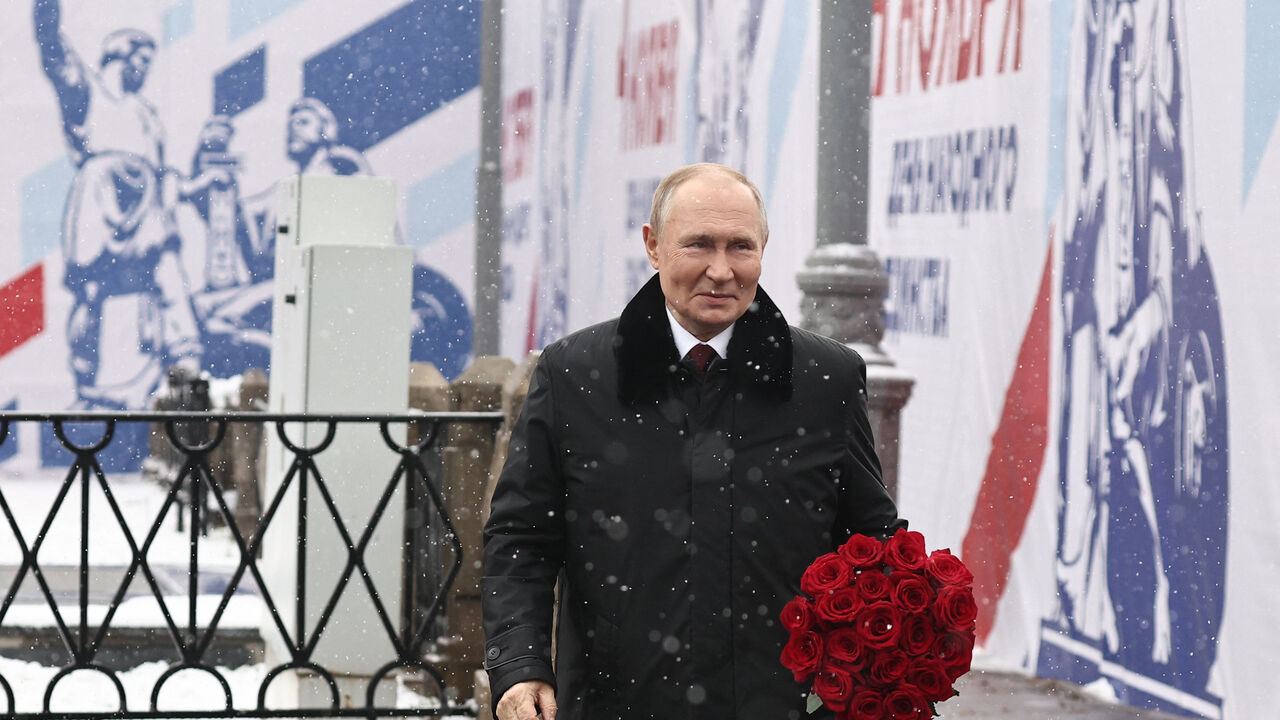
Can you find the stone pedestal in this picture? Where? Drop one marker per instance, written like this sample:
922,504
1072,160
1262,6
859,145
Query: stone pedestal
243,443
888,389
844,288
514,392
467,460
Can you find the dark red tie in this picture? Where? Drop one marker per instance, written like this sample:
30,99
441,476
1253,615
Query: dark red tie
702,354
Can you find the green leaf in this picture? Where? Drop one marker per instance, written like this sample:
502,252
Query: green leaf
814,704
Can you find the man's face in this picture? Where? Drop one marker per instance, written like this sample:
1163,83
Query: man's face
709,254
304,132
137,65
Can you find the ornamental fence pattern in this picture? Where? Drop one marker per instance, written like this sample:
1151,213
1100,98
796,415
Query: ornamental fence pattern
195,497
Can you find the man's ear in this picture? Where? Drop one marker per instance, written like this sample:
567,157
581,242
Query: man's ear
650,244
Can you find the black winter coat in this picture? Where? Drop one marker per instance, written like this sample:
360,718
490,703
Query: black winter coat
679,513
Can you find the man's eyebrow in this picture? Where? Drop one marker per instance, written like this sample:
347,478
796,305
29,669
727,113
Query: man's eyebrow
708,237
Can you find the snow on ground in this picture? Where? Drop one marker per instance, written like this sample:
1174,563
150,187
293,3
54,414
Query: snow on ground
93,691
31,497
243,611
190,690
140,500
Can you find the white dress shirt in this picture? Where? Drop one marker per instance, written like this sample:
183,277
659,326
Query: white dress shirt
685,339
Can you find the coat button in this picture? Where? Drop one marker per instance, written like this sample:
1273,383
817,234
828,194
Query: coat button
493,653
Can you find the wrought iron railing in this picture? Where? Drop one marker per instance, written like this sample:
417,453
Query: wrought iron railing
195,435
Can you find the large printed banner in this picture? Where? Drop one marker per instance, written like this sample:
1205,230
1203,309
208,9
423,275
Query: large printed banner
1079,252
603,99
143,143
1073,200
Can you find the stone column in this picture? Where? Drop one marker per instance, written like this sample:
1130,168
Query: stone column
466,477
514,392
843,281
424,537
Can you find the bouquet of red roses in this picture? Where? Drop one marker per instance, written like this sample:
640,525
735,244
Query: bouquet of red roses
885,630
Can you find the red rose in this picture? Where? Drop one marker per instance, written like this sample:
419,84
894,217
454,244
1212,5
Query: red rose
845,647
865,705
955,651
797,615
955,608
905,551
826,574
861,551
911,593
947,569
888,667
838,607
932,680
878,625
801,655
834,686
917,634
872,585
906,703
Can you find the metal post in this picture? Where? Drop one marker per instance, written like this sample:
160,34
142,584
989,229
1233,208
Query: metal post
844,121
843,282
488,273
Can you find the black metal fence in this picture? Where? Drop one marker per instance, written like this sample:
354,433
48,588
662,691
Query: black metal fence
434,551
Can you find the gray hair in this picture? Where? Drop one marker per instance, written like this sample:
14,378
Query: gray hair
661,209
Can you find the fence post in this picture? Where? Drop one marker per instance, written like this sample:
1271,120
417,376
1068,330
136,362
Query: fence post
466,476
424,564
237,456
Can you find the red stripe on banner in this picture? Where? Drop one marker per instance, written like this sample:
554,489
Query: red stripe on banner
1013,468
22,309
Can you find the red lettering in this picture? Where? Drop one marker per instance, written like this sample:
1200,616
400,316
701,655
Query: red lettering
1017,36
926,49
950,50
880,12
647,75
941,42
982,26
517,131
907,19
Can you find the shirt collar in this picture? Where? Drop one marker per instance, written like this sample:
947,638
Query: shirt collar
685,339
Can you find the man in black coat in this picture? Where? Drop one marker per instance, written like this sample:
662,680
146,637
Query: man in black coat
677,505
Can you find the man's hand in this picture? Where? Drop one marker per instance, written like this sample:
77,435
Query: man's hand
528,701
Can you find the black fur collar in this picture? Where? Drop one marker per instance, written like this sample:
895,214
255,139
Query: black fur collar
759,352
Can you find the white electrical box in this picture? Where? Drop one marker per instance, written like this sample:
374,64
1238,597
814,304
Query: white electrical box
340,344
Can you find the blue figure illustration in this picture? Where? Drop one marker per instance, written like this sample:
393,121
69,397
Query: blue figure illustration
312,142
234,304
1142,454
119,235
441,327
